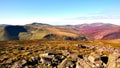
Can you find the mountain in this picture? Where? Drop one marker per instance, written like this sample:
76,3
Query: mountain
65,32
4,24
100,30
46,31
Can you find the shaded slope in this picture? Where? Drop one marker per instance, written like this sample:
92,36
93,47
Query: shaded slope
115,35
11,32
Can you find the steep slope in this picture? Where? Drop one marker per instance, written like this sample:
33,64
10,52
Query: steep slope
11,32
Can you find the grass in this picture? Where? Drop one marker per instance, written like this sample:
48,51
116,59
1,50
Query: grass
25,49
112,43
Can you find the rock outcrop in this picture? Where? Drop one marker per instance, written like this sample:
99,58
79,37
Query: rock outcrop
52,54
113,60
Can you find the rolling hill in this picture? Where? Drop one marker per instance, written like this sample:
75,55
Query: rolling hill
65,32
100,31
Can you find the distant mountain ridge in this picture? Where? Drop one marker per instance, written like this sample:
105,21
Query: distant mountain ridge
100,30
4,24
65,32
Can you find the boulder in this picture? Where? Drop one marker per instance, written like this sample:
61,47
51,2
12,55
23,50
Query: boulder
46,61
82,64
66,63
47,55
95,59
65,52
113,60
18,64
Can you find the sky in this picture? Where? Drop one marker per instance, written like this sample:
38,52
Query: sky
59,12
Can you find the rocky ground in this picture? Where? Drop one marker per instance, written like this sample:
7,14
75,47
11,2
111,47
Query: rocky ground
57,54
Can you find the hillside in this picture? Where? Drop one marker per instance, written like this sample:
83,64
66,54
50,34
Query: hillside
42,31
100,31
40,45
34,31
10,32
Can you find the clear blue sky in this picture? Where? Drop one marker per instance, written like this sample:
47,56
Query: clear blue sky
58,11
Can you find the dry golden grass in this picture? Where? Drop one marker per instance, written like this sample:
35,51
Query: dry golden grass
63,33
112,43
26,49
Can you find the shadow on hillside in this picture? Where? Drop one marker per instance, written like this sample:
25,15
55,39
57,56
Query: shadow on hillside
12,32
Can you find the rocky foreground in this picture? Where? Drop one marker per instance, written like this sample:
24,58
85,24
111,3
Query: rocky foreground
57,54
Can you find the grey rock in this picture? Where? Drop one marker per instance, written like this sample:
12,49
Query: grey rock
82,64
66,63
46,61
95,59
65,52
114,60
18,64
